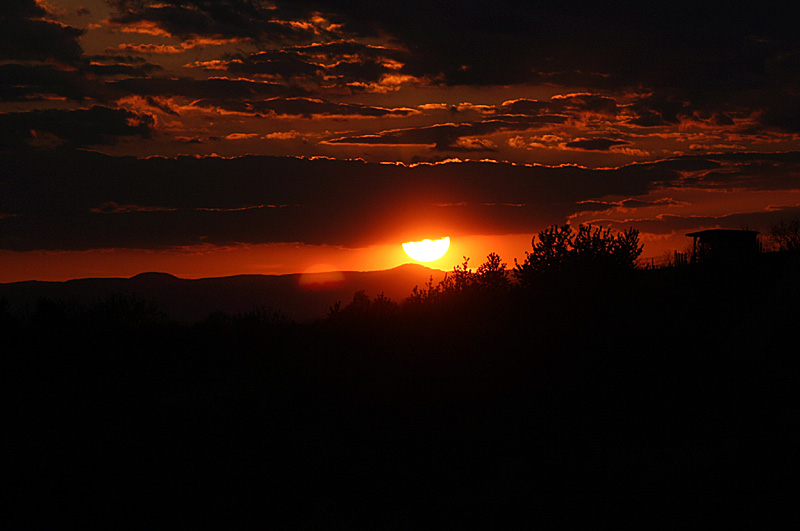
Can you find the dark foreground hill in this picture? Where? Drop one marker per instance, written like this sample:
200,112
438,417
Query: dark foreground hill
300,297
662,399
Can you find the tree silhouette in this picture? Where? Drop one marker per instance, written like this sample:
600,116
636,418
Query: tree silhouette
463,283
460,280
599,248
422,296
558,250
785,235
363,308
492,275
550,254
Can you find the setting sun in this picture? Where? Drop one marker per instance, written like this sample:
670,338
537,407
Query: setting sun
427,250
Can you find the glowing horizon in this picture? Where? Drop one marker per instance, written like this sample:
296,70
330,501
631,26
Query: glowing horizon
263,259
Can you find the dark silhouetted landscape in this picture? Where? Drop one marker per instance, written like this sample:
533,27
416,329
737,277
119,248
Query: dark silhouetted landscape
300,297
590,394
168,168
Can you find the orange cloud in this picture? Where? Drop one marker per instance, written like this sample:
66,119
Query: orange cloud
159,49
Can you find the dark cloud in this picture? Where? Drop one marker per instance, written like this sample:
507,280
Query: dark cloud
359,71
161,105
81,81
783,115
511,116
157,202
638,203
595,144
342,63
554,38
691,57
748,171
302,107
566,104
276,63
120,65
71,128
202,88
84,200
246,19
668,223
449,137
601,206
25,34
594,206
524,106
28,82
348,49
658,109
22,9
688,59
584,103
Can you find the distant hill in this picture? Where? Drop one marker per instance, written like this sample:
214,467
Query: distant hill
301,296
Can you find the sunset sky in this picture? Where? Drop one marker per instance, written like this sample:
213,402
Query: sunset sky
211,138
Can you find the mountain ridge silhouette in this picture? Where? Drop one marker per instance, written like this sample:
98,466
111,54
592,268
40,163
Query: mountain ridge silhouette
191,300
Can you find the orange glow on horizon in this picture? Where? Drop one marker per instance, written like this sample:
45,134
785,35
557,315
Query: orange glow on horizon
265,259
320,277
